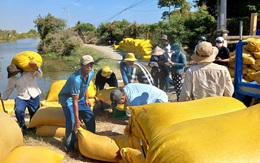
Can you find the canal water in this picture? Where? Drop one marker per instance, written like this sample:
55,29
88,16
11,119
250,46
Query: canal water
9,50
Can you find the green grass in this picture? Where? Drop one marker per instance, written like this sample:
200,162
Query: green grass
54,63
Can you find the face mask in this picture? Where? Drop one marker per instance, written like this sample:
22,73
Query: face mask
219,44
17,76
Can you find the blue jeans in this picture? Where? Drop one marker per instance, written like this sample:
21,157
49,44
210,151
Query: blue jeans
20,106
86,114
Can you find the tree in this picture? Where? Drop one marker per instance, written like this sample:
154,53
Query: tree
49,24
169,3
86,31
235,8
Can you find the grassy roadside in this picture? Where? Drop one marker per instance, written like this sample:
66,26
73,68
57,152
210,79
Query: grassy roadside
71,63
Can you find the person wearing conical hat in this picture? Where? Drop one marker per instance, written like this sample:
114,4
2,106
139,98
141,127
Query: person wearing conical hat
206,79
133,72
158,69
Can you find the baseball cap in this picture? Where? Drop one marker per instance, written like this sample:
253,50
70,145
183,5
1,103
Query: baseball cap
86,59
115,97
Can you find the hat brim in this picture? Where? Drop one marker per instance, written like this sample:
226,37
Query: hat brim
11,74
130,60
195,57
85,63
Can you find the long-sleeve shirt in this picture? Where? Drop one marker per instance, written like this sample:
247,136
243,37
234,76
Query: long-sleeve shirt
134,73
140,94
179,60
100,81
26,85
206,80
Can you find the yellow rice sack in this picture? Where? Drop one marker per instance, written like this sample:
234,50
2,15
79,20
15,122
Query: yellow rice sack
22,60
46,115
50,130
51,104
256,55
253,45
9,106
97,147
33,154
231,137
256,66
248,58
131,155
11,135
104,96
57,85
121,141
55,88
151,119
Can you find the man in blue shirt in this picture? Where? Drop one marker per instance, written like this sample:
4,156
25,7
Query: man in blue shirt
132,71
73,98
135,94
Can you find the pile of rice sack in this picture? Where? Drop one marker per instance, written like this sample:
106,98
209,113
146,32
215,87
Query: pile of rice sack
140,47
12,148
251,61
49,120
214,129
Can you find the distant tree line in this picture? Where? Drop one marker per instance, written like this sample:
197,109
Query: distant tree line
12,35
182,26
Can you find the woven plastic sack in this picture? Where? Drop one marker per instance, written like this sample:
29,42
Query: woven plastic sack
22,60
33,154
151,119
131,155
231,137
51,131
11,135
248,58
57,85
97,147
253,45
104,96
46,115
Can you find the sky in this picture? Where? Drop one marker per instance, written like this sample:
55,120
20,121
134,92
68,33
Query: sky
19,14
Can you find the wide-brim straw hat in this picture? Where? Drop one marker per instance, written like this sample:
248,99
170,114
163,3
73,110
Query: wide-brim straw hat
130,57
106,72
205,52
11,69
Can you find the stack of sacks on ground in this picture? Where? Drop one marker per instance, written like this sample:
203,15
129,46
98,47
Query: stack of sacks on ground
251,61
140,47
49,120
8,106
146,123
231,137
12,149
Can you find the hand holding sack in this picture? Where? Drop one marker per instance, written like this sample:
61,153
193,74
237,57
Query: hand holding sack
27,60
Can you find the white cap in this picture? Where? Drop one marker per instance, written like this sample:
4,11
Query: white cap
221,39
